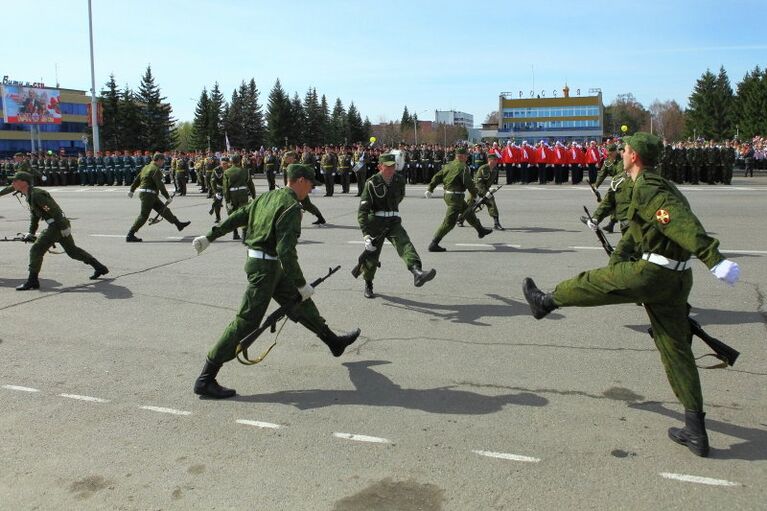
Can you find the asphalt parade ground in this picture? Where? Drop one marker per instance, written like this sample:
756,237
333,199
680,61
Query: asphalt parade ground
453,398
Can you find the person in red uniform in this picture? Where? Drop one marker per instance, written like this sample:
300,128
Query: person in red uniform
575,160
593,159
508,159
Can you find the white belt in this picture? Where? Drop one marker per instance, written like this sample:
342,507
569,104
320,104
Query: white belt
666,262
238,188
147,190
257,254
386,213
49,221
448,192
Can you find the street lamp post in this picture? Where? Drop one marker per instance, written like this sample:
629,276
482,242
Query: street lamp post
94,116
415,124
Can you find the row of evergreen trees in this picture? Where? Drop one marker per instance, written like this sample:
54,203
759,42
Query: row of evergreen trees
139,119
716,112
287,120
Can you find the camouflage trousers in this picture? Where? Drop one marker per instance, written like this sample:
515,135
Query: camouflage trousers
455,206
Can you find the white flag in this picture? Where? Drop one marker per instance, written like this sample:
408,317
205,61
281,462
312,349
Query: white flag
226,138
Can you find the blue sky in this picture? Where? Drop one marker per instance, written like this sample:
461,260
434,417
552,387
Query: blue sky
388,54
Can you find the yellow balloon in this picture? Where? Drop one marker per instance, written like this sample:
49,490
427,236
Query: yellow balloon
624,128
373,139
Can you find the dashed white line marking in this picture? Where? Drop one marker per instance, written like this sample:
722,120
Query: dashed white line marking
744,251
507,456
108,235
355,242
85,398
258,424
19,387
362,438
698,479
587,248
165,410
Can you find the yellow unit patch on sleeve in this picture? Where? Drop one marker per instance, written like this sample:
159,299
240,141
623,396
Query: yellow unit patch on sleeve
662,216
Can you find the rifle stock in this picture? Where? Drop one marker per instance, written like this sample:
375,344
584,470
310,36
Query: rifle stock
477,205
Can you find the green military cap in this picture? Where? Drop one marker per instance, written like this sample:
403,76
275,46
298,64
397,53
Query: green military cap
299,170
290,153
387,159
612,147
461,150
225,158
158,156
22,176
236,158
492,155
646,145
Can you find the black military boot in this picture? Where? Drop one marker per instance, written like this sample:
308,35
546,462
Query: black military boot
497,225
482,232
320,220
434,247
610,226
31,283
206,384
422,277
236,235
338,343
182,225
369,289
131,238
540,303
693,435
99,269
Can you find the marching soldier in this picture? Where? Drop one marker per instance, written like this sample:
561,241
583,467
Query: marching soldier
182,174
216,185
344,168
456,180
328,166
237,186
379,219
274,224
484,179
59,230
151,184
270,169
652,266
360,169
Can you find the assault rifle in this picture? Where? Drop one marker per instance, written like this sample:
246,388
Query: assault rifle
271,323
478,203
596,193
217,203
365,255
726,354
157,219
20,237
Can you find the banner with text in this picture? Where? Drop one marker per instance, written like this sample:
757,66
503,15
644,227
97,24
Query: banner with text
30,105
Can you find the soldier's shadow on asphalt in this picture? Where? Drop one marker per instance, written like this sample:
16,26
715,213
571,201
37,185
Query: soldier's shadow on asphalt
374,389
106,287
469,314
503,247
754,441
715,317
45,284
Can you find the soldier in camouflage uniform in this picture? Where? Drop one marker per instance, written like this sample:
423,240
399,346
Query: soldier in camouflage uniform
270,168
307,205
150,182
273,223
237,185
345,168
652,267
59,230
328,166
456,180
484,178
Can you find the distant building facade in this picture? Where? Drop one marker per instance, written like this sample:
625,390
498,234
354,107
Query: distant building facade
454,118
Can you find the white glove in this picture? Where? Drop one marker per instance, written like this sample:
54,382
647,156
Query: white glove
28,237
727,271
66,232
200,243
369,243
592,225
306,292
130,195
219,196
170,199
45,178
427,194
488,195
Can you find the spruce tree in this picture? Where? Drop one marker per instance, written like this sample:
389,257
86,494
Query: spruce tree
751,104
234,119
200,126
254,118
324,121
216,114
723,111
297,120
701,112
406,122
354,125
158,128
110,105
337,127
278,116
130,121
312,135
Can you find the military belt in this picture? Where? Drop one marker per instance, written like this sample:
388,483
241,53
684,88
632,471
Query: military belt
667,263
258,254
147,190
448,192
386,213
238,188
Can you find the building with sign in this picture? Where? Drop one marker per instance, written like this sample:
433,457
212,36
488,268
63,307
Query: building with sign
565,118
454,118
33,117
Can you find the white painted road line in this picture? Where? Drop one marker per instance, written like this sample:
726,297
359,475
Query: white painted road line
507,456
744,251
587,248
698,479
85,398
18,387
488,245
362,438
165,410
361,242
258,424
108,235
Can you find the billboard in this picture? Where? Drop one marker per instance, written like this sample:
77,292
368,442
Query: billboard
30,105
